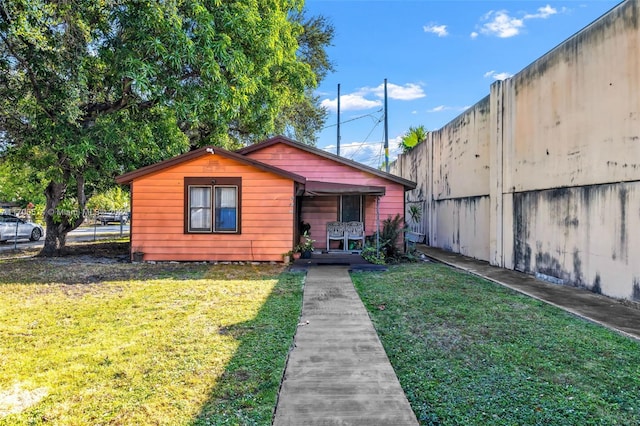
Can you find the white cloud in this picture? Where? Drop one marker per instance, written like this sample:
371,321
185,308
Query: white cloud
502,75
363,152
543,13
497,75
368,153
439,30
395,147
351,102
473,35
408,92
441,108
501,24
372,97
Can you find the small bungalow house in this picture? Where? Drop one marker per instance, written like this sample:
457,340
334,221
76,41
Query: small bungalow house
211,204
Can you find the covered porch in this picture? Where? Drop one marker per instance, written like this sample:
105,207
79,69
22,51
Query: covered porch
339,217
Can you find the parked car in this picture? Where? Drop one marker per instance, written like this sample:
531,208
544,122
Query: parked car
112,217
9,223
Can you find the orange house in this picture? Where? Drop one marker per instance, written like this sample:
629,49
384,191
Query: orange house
251,205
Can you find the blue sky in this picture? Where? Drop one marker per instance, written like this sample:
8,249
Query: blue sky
439,58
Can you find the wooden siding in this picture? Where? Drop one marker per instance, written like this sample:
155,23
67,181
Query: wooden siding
317,211
313,167
267,220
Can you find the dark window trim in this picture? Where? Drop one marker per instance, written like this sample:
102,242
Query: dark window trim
212,182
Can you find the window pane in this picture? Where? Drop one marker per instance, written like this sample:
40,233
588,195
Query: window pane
200,196
351,208
200,208
226,208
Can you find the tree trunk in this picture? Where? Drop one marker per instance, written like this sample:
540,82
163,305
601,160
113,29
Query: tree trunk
59,223
54,193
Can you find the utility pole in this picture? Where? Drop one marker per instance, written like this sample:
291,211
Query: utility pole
338,136
386,129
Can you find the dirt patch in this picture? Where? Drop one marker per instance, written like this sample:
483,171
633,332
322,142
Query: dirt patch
84,264
100,252
17,399
96,252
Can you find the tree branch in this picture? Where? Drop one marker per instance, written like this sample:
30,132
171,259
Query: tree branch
32,77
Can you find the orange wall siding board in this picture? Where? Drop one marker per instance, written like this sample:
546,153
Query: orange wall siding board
267,215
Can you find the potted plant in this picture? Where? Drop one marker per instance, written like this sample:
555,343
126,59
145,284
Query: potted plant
306,246
138,255
290,256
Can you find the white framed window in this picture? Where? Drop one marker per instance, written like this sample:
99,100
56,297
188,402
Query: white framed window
200,208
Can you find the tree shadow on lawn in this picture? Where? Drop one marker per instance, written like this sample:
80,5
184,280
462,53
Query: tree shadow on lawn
246,393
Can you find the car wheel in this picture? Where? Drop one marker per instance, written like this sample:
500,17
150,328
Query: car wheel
36,234
104,223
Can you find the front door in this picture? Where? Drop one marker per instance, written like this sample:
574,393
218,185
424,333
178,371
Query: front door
351,208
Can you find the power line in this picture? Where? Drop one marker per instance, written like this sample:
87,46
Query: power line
365,139
353,119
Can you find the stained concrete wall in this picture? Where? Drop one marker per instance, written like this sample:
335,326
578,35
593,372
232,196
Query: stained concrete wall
583,236
455,205
543,175
576,111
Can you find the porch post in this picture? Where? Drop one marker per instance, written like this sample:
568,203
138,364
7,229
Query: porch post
377,223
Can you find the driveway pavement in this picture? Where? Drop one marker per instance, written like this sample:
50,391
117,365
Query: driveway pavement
84,233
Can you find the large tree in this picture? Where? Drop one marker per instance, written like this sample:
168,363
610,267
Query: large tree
92,88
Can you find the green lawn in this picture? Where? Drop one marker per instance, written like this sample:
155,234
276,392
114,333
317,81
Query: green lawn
469,352
85,342
119,343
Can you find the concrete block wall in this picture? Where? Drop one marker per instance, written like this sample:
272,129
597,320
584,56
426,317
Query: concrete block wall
543,175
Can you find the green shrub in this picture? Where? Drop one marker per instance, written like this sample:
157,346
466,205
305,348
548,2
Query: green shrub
392,229
371,255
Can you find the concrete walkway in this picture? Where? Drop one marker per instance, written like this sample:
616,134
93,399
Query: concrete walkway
338,372
611,313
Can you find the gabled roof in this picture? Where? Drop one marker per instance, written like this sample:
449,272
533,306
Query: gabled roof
313,150
209,150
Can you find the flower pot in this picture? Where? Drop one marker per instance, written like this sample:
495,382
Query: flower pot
138,256
306,254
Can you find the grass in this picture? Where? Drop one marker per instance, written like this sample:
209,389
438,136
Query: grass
469,352
103,342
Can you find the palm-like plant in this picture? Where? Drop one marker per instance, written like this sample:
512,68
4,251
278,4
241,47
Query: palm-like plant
414,136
